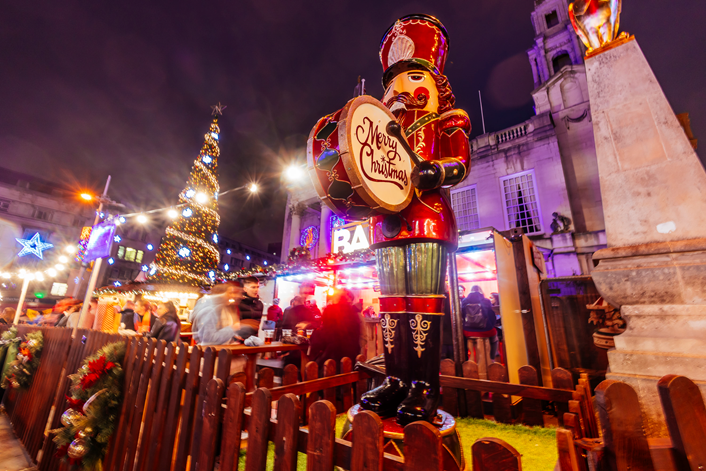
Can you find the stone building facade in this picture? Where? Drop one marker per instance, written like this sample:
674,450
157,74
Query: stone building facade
29,206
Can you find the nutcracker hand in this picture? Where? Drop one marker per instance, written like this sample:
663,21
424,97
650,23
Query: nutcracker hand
427,176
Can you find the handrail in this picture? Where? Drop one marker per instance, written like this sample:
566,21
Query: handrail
522,390
314,385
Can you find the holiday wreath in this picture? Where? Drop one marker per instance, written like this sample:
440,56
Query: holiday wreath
21,370
94,406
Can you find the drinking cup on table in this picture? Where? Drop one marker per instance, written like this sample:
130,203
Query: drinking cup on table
269,335
309,332
286,332
300,332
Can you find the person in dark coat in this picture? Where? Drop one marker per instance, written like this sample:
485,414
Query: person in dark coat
128,316
297,314
167,326
476,297
251,307
339,335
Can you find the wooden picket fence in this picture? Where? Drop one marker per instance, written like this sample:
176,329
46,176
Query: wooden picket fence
623,444
463,396
422,442
30,411
181,404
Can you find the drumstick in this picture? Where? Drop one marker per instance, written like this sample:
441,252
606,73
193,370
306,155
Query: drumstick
394,129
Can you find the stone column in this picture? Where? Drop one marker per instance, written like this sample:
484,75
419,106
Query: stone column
576,49
542,58
325,231
296,211
653,188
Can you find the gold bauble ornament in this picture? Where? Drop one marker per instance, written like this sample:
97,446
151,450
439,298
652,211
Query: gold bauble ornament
70,417
81,434
77,449
88,431
31,343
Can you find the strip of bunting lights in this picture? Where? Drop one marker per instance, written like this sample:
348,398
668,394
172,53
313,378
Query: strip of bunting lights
195,240
176,271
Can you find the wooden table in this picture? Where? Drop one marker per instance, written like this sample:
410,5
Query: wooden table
251,354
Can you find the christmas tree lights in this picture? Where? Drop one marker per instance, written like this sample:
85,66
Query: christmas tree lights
189,252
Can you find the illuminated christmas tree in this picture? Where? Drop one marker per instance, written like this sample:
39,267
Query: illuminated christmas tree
189,251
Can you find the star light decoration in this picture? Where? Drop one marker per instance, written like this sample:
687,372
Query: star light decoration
33,246
218,109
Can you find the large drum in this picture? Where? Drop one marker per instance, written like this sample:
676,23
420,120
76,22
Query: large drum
357,168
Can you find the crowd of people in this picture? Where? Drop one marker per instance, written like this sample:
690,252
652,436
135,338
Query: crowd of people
233,313
159,320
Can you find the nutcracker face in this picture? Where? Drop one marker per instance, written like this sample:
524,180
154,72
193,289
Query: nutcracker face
415,83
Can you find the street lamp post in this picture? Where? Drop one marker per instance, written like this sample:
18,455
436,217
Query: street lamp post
98,262
25,285
77,286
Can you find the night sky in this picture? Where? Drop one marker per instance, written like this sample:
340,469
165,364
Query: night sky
124,88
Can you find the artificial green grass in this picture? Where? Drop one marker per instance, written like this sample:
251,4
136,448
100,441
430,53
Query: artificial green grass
301,459
537,445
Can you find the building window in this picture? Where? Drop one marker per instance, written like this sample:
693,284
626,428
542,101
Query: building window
138,256
521,203
130,254
59,289
552,19
42,214
4,205
121,252
561,61
465,206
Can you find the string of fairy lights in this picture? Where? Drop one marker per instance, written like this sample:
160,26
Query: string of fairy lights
172,211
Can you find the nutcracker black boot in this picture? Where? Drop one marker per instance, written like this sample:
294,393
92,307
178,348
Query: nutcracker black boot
424,359
385,399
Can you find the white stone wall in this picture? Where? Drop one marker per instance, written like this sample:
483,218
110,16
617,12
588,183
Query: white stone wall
538,151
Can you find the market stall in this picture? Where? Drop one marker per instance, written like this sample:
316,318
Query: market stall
508,271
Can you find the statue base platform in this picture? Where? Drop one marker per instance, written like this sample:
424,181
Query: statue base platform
394,437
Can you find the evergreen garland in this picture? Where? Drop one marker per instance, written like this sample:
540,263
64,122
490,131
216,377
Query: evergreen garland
20,372
8,339
94,406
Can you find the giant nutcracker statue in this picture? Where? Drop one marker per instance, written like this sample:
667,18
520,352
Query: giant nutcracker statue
390,161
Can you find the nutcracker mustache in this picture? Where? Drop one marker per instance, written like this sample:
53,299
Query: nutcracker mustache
400,103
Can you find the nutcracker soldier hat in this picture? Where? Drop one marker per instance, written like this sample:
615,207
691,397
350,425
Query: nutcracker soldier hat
414,42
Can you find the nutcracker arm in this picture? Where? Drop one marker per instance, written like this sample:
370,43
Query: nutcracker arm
431,174
394,129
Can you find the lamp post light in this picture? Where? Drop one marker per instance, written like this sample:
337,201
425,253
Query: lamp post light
294,173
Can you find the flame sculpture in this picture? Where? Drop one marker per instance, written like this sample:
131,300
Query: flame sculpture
596,21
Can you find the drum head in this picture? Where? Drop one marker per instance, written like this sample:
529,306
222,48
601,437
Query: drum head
378,167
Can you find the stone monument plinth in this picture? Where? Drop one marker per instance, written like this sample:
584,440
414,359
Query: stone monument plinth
654,199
